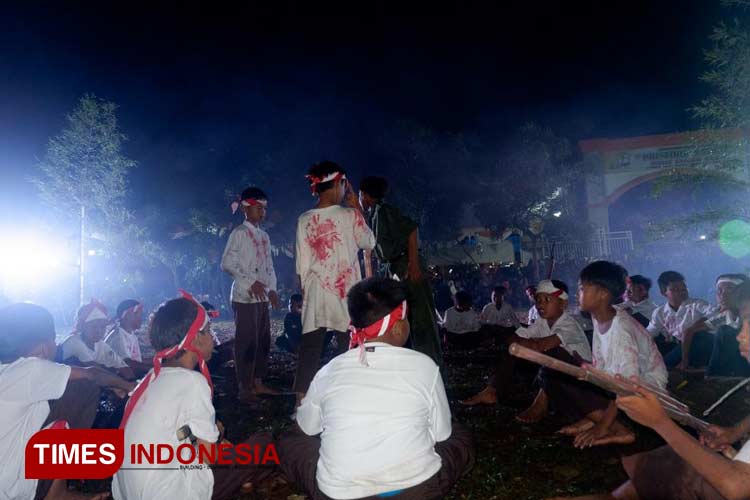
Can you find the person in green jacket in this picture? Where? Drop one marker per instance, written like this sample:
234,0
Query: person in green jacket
397,250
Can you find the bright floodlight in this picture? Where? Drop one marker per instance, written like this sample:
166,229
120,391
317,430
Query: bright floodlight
26,259
557,214
703,236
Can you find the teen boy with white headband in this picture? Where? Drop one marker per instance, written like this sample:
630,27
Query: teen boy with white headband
329,238
380,411
174,395
122,338
247,258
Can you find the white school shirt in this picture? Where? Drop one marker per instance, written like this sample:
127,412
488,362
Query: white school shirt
645,307
628,349
670,323
247,258
461,321
124,343
744,454
726,318
75,347
378,423
176,397
571,335
328,240
504,316
26,386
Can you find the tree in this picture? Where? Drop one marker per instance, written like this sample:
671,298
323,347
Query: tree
83,173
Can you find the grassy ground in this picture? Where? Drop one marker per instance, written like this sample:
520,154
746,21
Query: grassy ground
514,461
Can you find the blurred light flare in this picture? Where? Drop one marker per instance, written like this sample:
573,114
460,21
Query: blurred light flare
29,259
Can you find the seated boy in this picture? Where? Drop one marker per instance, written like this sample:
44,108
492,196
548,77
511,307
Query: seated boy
669,322
498,315
174,396
123,339
380,411
637,302
556,334
461,324
702,333
290,339
686,468
620,346
86,346
533,313
36,392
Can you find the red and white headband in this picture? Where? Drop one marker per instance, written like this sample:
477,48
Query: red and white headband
546,286
377,329
90,312
132,310
248,202
314,181
186,344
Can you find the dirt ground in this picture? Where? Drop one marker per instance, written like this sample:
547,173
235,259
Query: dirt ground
514,461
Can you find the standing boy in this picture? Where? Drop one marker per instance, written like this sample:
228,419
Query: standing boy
397,250
36,392
329,238
247,258
376,421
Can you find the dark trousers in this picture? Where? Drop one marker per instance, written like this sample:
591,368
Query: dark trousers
424,335
299,454
726,359
252,342
77,406
228,479
308,356
700,351
571,398
469,340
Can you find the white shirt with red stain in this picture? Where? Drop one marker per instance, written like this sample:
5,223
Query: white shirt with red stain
247,258
626,348
328,240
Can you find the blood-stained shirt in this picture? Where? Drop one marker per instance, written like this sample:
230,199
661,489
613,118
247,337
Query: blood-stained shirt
247,258
328,240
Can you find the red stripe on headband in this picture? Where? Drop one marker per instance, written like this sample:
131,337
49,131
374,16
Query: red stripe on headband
200,321
377,329
314,181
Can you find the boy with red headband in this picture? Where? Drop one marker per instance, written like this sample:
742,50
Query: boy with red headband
380,411
247,258
175,396
329,238
86,346
122,338
37,393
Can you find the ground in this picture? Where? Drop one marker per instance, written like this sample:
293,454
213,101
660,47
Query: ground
514,461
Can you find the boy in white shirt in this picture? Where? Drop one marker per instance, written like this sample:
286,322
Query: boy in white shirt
86,346
686,468
36,392
637,301
533,314
329,238
123,339
556,334
669,322
380,411
462,325
499,313
699,339
247,259
621,346
175,396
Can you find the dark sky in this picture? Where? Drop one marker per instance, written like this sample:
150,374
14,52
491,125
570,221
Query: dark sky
195,84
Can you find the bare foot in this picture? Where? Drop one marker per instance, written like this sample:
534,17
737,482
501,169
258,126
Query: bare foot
618,434
574,429
487,396
537,411
59,491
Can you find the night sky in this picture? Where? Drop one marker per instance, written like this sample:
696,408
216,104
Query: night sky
200,89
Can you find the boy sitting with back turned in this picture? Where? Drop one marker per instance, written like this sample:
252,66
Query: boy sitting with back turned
380,411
